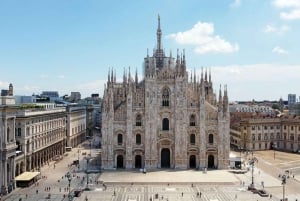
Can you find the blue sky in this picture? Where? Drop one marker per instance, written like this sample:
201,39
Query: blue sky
252,46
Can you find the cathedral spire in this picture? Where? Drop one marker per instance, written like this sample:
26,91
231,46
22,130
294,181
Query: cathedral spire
225,100
136,77
177,59
108,77
158,33
220,99
129,75
209,76
201,75
115,76
194,76
184,56
124,76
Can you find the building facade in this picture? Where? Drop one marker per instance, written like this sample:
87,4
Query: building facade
267,132
7,148
165,120
76,125
40,137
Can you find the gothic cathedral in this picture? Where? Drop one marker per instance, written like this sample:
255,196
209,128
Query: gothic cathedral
165,120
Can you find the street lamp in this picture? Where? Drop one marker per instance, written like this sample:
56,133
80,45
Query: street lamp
87,173
240,149
78,159
252,162
283,179
69,179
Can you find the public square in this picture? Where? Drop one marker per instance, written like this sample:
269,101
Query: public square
162,184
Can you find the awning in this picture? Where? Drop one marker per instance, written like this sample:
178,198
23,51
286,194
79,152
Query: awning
27,176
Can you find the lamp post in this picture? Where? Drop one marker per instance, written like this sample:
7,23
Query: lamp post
240,148
283,179
87,173
252,162
78,158
69,179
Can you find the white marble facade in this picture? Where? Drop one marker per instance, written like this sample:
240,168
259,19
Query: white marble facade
167,120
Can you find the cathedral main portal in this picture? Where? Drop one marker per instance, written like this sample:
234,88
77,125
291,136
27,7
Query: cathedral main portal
165,158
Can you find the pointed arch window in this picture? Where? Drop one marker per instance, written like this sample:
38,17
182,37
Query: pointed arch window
210,138
192,120
165,97
7,135
120,139
165,124
138,120
138,139
192,139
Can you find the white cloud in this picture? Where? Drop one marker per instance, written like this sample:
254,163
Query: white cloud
292,15
61,76
202,37
236,3
256,81
4,85
286,3
292,6
279,50
44,76
96,86
279,30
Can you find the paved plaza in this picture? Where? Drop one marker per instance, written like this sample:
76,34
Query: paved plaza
166,184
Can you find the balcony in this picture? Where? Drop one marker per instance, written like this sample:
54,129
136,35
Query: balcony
211,146
165,134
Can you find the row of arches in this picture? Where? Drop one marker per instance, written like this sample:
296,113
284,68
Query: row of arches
40,158
165,161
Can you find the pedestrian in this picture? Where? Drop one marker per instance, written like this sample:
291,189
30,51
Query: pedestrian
235,196
182,194
37,191
200,194
26,195
59,189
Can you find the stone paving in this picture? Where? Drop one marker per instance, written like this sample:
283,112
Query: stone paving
171,185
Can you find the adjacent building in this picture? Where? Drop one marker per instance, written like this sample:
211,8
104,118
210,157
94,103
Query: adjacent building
260,132
7,148
166,120
291,99
40,136
32,135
